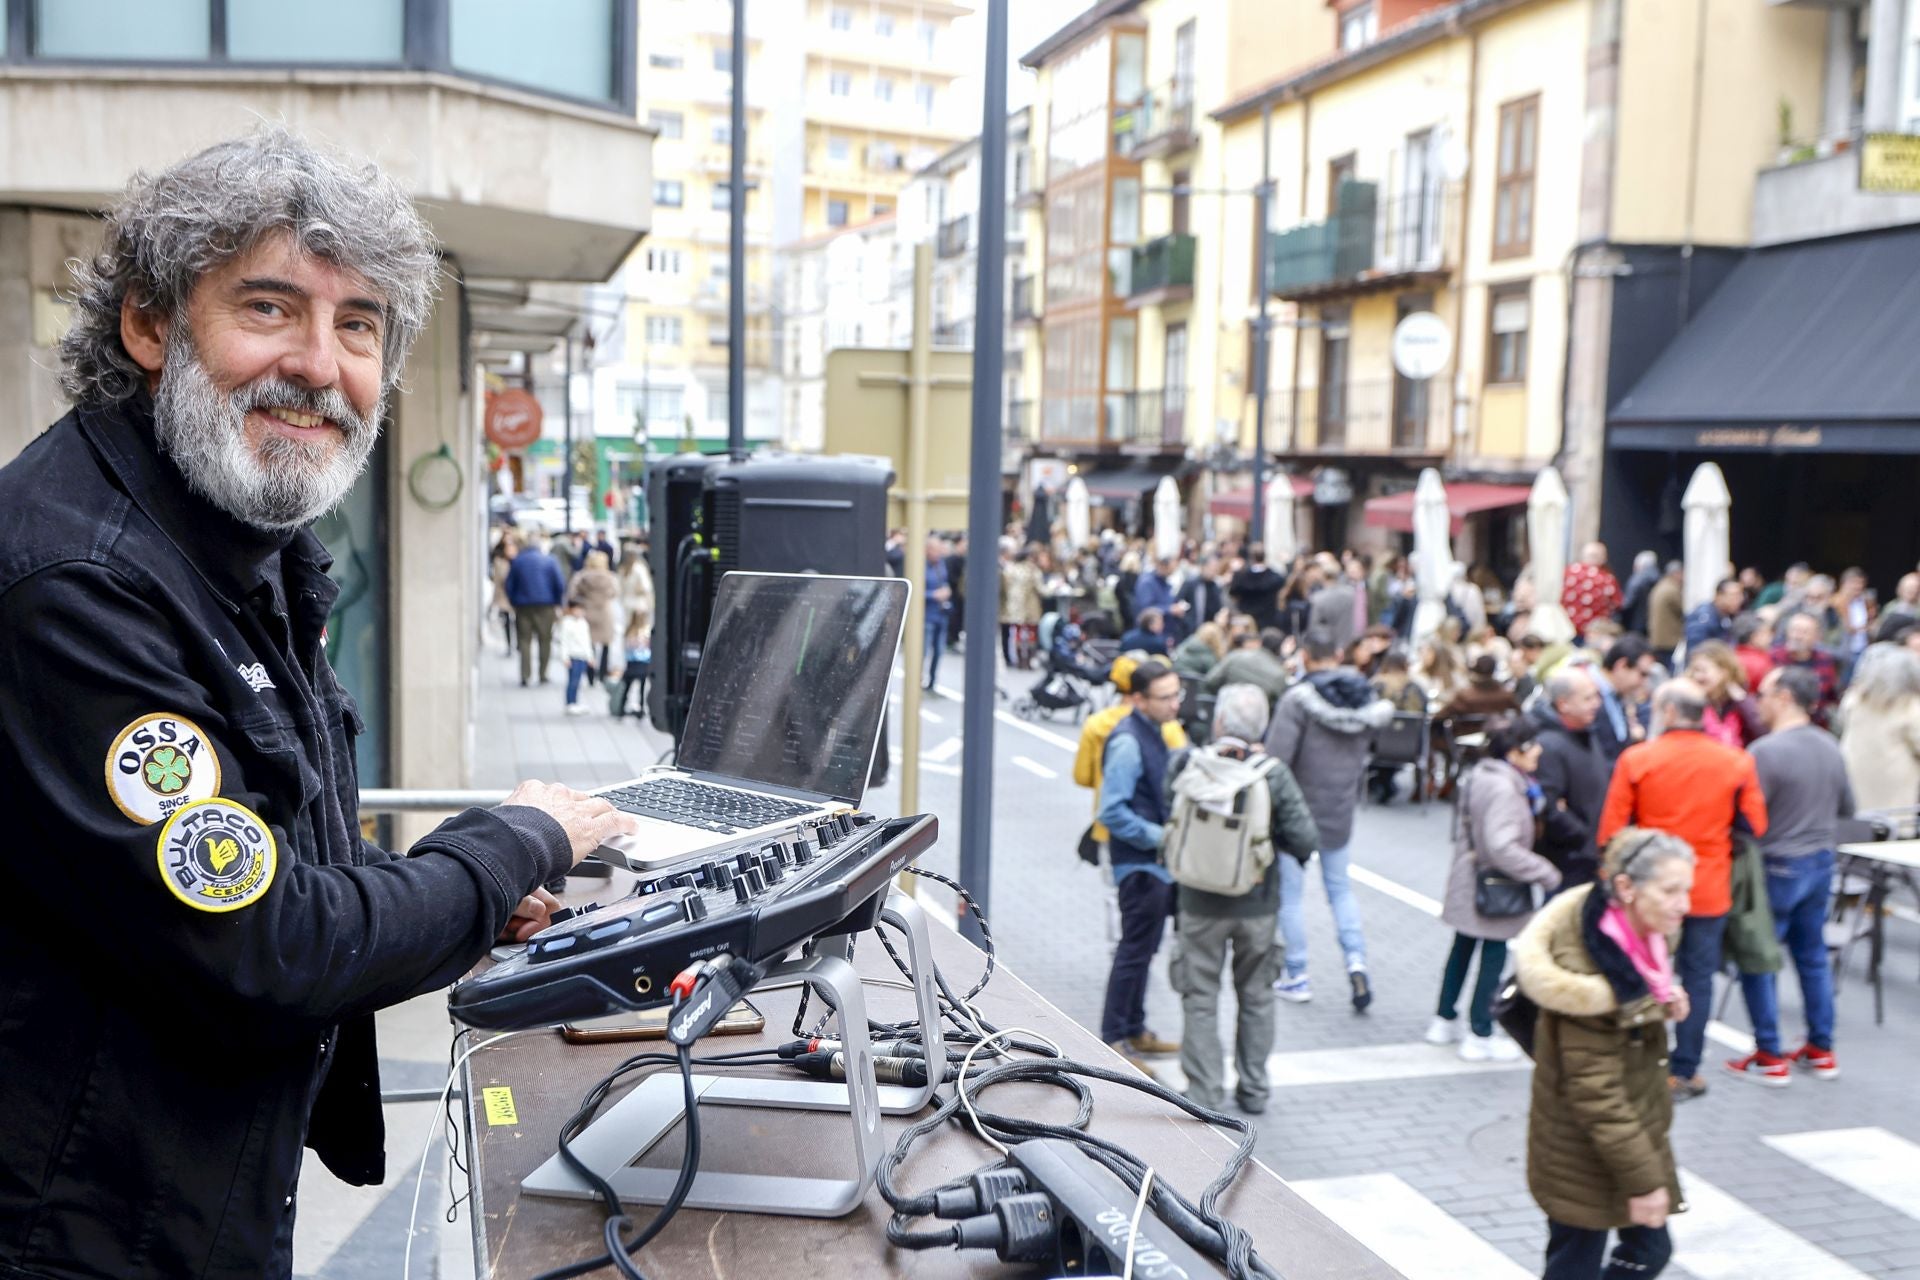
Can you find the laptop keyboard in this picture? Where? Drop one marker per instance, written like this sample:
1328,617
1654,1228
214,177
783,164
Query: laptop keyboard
703,807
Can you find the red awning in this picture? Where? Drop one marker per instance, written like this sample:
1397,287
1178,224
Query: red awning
1238,503
1395,511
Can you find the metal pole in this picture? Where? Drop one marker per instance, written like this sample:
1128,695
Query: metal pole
983,483
1262,194
913,645
566,460
737,245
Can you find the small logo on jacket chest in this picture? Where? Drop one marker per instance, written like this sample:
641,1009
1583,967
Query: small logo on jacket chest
255,674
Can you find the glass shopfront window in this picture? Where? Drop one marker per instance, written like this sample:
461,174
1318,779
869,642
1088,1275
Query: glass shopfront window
352,31
130,30
357,632
563,46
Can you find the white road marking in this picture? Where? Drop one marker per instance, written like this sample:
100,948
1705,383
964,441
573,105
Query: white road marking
1732,1037
1721,1238
1872,1161
1065,744
1035,768
1411,1233
931,717
1394,889
930,766
945,751
1414,1061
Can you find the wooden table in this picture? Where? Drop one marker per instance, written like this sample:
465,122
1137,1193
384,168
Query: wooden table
516,1236
1884,865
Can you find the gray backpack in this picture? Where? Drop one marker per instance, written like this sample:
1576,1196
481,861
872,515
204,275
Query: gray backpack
1220,832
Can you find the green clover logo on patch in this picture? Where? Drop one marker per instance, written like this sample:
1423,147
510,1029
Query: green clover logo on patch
168,770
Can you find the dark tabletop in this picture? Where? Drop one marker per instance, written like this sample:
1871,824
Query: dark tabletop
518,1236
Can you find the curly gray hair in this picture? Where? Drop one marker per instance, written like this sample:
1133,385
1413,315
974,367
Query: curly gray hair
171,228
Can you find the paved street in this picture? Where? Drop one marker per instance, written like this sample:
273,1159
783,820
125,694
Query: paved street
1419,1155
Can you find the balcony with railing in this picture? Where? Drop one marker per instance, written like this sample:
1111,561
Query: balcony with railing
1368,244
1159,271
1390,417
1026,301
952,240
1150,420
1026,191
1160,124
1017,432
953,333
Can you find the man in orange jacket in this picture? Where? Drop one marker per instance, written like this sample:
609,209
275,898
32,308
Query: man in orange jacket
1685,783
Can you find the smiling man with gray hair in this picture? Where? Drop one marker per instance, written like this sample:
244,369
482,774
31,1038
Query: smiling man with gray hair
199,935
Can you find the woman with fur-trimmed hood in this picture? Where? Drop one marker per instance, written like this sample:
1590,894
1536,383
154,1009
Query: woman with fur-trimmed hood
1596,961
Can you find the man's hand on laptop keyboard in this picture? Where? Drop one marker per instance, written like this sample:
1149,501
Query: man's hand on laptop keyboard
589,820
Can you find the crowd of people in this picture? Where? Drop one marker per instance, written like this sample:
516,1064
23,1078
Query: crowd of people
579,599
1652,797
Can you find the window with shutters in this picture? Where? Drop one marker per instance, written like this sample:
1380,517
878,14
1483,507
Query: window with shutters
1509,316
1513,178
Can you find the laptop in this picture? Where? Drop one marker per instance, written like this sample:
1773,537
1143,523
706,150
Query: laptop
784,720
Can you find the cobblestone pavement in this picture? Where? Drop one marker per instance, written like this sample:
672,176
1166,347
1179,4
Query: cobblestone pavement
1419,1155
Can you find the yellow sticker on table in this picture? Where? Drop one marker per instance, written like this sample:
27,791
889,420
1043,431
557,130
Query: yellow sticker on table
497,1101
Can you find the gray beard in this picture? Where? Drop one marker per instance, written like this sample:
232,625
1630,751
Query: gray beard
279,486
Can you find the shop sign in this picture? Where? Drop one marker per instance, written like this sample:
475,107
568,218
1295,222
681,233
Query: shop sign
1422,345
513,418
1781,438
1332,487
1890,162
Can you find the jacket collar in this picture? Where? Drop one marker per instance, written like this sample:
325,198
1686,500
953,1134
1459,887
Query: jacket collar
236,560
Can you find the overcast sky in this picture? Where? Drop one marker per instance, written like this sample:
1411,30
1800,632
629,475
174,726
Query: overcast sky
1028,23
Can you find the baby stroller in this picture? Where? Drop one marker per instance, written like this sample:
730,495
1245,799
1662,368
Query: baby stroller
1071,678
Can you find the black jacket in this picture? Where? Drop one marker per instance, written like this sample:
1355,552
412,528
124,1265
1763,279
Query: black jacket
1573,767
187,990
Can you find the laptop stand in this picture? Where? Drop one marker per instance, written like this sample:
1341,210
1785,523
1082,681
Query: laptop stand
632,1126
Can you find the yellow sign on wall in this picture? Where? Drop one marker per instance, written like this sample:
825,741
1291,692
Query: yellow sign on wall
1890,162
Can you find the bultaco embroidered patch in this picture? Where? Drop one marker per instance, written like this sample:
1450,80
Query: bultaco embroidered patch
217,855
158,765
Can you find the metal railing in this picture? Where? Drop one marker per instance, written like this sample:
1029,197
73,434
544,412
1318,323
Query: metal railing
382,800
1162,263
952,240
1025,298
1385,416
1159,124
1366,237
1157,417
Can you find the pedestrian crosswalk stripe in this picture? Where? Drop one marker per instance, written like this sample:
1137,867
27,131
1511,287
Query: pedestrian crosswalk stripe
1722,1238
1408,1231
1034,730
1394,889
1035,768
945,751
1375,1062
1872,1161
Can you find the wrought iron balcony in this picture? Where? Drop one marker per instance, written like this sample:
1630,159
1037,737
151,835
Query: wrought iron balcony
1386,417
1160,270
1160,124
952,240
1155,419
1367,244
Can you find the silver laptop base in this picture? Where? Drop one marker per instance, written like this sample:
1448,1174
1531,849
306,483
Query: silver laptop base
632,1126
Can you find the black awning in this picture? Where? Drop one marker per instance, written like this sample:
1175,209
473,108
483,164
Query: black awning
1811,347
1121,484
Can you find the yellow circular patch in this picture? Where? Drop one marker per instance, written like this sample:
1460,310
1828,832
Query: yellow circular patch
158,765
217,855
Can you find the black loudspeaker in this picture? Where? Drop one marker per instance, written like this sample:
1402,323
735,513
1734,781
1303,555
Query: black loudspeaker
771,513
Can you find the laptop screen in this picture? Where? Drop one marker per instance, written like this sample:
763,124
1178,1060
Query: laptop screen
793,679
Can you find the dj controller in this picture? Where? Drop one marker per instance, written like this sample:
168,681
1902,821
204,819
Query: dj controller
820,879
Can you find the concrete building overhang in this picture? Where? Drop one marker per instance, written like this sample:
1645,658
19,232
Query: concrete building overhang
514,184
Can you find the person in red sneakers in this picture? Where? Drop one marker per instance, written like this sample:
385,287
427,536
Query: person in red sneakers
1684,783
1804,780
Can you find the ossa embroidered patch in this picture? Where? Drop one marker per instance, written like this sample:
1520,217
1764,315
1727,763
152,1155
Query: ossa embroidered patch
217,855
158,765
